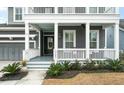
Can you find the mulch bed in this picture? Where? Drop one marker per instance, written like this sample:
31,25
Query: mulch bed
71,74
64,75
16,76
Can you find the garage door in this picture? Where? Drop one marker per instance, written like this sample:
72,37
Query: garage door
11,52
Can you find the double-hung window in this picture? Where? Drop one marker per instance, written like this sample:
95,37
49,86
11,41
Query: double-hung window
69,39
18,13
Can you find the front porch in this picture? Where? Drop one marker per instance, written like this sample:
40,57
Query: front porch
74,41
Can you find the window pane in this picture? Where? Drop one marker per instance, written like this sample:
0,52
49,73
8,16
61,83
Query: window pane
18,17
71,37
93,9
18,13
66,36
93,45
69,44
93,36
101,9
18,10
48,10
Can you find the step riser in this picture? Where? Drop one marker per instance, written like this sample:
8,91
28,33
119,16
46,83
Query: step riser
37,68
38,65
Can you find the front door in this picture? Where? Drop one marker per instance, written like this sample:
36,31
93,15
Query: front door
48,45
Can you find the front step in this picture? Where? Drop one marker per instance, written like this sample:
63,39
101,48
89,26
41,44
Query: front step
36,65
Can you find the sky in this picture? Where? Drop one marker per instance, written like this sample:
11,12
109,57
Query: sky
3,14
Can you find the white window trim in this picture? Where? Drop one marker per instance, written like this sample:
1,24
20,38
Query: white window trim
64,31
97,38
14,15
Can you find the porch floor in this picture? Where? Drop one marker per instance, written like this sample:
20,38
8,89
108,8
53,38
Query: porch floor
42,58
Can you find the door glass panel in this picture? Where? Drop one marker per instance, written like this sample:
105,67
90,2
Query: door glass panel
50,43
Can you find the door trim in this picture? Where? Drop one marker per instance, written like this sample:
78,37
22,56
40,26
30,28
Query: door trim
44,43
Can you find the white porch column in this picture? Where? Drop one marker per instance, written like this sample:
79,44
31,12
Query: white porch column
55,41
26,10
105,38
87,10
56,10
87,40
26,35
116,40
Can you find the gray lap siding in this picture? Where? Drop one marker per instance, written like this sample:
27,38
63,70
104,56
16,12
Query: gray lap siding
80,35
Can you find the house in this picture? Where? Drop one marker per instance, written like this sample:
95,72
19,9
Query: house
53,34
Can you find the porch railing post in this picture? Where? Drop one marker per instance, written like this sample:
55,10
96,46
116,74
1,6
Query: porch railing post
56,41
26,35
116,40
87,39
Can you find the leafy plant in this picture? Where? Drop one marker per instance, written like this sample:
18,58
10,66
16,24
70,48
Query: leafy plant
12,68
55,70
90,65
101,66
66,65
115,65
75,66
23,62
121,55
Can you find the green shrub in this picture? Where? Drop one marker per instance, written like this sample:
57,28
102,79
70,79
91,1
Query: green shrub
115,65
55,70
12,68
121,55
75,66
23,62
90,65
66,65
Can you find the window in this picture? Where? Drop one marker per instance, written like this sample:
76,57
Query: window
18,14
68,9
93,9
94,39
48,10
69,39
101,9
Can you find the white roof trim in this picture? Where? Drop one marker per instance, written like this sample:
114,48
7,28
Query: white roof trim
16,35
15,28
16,41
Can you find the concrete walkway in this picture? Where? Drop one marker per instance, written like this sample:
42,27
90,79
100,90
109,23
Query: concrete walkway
33,78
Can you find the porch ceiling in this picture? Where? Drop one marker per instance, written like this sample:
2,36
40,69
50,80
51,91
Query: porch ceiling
46,27
50,27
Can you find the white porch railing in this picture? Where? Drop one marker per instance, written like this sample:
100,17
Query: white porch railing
72,10
101,54
70,54
80,54
31,53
